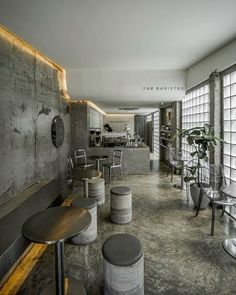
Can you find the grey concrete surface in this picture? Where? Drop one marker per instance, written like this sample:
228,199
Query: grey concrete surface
90,234
128,280
180,255
135,160
79,126
30,98
216,116
121,208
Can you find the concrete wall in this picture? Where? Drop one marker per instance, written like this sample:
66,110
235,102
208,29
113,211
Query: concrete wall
30,97
80,118
220,60
96,119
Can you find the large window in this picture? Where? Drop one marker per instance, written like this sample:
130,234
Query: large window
195,111
149,118
156,132
229,130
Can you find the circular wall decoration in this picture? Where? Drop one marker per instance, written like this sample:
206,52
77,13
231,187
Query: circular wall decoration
58,131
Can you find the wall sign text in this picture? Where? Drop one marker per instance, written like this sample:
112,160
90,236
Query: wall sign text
162,88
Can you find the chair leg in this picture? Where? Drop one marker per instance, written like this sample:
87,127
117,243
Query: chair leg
172,172
187,191
168,170
213,219
109,174
223,211
199,202
121,172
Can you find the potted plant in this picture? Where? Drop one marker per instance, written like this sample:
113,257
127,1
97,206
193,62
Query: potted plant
202,139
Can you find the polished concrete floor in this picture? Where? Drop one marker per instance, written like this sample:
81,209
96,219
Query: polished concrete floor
180,255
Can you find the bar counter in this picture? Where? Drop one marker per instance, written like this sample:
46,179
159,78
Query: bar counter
136,160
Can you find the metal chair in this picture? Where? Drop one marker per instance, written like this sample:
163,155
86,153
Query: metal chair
70,165
72,172
186,173
117,156
173,163
212,179
81,160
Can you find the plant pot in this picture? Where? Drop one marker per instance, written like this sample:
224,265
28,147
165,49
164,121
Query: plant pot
195,192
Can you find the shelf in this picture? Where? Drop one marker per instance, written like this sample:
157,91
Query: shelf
164,146
167,139
166,131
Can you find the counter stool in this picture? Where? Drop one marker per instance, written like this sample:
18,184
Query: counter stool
96,190
123,265
121,204
90,234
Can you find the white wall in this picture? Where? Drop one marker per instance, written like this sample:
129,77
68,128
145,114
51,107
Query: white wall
96,119
220,60
119,122
111,89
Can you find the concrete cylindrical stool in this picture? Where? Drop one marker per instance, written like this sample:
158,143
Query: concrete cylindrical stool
121,204
96,190
90,234
123,265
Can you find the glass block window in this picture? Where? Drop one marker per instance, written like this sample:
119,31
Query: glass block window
195,112
149,118
229,100
156,132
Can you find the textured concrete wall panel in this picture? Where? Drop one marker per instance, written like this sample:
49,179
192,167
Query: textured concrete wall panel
30,99
46,154
79,126
65,111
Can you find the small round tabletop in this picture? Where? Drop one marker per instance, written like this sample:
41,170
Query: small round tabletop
229,190
229,246
89,174
56,224
98,157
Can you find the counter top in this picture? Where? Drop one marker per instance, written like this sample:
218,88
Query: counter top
120,147
136,160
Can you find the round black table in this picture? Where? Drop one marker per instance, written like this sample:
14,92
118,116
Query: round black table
229,246
229,190
85,175
98,158
54,226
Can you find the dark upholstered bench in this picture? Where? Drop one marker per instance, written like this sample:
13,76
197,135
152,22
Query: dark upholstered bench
12,243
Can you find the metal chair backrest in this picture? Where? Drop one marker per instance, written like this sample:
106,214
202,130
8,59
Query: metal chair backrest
117,156
80,157
173,153
213,175
70,165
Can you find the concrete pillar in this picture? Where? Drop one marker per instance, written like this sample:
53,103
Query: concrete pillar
123,265
90,234
177,122
216,115
121,204
96,190
80,125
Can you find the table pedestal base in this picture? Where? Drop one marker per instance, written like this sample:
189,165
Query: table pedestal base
72,287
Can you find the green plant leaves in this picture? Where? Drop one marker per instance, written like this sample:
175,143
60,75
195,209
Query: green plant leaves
203,140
